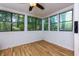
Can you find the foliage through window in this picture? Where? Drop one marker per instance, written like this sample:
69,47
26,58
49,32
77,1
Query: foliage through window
5,21
45,24
11,21
34,23
17,22
54,23
66,21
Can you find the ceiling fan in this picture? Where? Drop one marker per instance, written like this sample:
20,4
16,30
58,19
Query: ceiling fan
32,5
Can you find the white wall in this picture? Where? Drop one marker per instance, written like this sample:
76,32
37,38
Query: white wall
10,39
15,38
61,38
76,35
64,39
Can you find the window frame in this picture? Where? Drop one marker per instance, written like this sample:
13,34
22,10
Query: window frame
6,21
66,21
54,22
38,24
28,22
18,21
34,23
11,20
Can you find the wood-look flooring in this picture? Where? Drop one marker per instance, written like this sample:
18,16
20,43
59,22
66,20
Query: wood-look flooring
39,48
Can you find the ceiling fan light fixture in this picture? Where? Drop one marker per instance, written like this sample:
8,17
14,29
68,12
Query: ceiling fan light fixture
32,4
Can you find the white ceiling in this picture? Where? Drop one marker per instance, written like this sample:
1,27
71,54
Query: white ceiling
49,8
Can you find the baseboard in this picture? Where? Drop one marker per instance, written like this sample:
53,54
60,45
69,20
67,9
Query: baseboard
19,44
59,46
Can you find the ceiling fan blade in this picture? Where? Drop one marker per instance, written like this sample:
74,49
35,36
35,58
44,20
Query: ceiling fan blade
39,6
30,8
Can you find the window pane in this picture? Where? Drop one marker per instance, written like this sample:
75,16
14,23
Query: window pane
34,23
66,21
18,26
66,26
53,23
14,17
31,23
53,27
11,21
2,16
21,26
8,17
2,28
5,16
30,27
15,27
5,21
29,19
8,26
46,24
38,24
5,26
17,22
53,19
67,16
21,18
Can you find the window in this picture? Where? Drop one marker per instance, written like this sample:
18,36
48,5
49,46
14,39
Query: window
11,22
34,23
54,23
17,22
31,23
45,24
38,24
5,21
66,21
